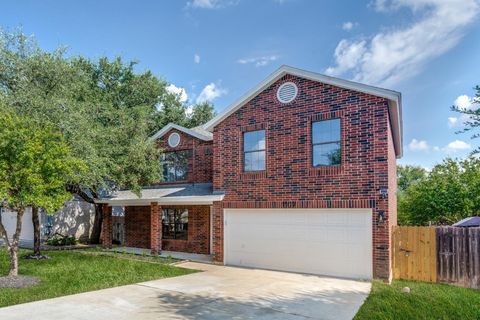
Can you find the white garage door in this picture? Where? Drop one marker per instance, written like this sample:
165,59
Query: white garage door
334,242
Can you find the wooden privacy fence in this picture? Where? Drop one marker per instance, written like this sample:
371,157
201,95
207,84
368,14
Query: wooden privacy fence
437,254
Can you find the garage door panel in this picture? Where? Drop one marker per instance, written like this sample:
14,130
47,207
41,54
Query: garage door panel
319,241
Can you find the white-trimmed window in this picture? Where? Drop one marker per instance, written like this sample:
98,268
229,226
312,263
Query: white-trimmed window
175,165
175,224
254,150
326,143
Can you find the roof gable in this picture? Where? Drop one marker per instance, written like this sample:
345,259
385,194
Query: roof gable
394,99
197,132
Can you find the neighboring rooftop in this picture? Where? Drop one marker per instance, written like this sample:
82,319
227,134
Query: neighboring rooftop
468,222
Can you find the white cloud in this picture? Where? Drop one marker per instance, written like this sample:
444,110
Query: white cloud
210,92
211,4
178,91
348,56
259,61
395,54
466,103
457,145
347,26
418,145
452,121
189,110
196,58
452,147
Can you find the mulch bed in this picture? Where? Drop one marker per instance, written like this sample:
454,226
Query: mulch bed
18,282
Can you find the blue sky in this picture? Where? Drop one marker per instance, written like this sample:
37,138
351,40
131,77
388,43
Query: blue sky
217,50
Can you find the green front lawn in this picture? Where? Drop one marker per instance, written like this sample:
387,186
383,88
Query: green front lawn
68,272
425,301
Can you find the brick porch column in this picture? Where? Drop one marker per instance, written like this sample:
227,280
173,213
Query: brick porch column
217,232
107,226
155,228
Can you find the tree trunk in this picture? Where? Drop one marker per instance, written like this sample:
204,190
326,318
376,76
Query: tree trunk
13,249
97,224
36,231
13,261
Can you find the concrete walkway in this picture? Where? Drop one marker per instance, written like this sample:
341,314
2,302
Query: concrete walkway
217,293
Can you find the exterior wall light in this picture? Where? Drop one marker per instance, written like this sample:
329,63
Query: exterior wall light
383,193
381,217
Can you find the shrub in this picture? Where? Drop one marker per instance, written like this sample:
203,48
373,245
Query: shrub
60,240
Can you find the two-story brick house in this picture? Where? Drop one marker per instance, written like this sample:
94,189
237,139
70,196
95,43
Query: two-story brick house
297,175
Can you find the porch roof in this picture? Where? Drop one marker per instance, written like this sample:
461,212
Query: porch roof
178,194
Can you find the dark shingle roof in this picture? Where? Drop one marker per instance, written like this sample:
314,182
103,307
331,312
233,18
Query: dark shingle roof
468,222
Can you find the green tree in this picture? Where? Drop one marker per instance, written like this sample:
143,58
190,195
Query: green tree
171,110
104,109
201,114
472,113
447,194
408,175
35,166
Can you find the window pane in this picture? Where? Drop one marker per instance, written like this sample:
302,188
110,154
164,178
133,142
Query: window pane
181,224
175,165
249,161
255,161
175,224
168,225
326,131
254,140
327,154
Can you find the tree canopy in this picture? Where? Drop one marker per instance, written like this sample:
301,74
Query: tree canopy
450,192
35,166
408,175
104,109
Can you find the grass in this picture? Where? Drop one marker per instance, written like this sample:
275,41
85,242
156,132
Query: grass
425,301
69,272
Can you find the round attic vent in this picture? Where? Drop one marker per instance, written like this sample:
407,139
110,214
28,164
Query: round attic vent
174,140
287,92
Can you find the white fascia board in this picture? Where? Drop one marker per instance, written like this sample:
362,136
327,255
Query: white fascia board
169,126
394,98
194,200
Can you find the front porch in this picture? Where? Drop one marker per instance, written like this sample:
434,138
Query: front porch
166,220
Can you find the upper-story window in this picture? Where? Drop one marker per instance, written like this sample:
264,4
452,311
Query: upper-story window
254,150
326,144
175,165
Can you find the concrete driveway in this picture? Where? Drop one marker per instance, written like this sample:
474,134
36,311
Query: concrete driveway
217,293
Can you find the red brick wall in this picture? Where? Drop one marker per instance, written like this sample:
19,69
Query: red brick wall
198,232
290,181
138,231
217,231
137,227
200,166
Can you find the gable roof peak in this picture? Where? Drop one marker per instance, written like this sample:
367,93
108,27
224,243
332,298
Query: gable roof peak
196,132
394,98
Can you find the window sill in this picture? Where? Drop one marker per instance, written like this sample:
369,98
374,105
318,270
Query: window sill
325,170
251,175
